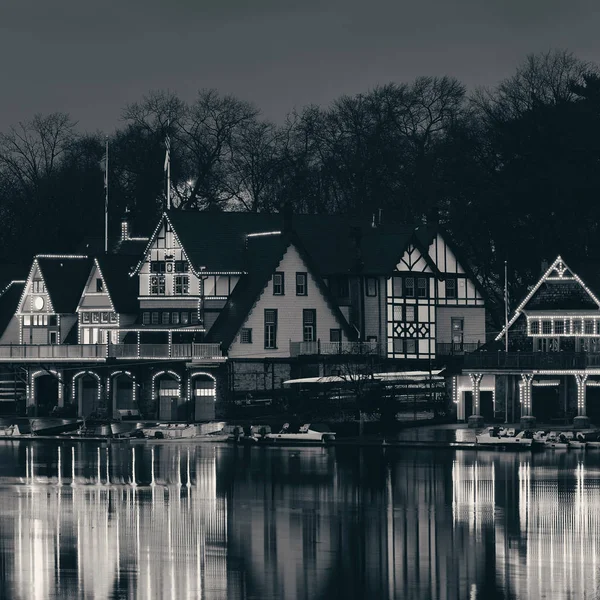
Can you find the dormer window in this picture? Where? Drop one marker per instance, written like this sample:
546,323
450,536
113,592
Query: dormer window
38,286
99,285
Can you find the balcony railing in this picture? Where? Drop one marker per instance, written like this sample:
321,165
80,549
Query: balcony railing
455,349
531,360
333,348
100,352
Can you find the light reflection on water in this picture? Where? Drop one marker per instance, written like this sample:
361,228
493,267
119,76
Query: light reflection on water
185,521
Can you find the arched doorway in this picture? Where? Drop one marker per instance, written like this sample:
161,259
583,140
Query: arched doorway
87,392
46,392
123,394
202,390
166,390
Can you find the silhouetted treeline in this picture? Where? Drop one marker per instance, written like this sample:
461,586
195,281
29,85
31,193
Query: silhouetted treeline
511,173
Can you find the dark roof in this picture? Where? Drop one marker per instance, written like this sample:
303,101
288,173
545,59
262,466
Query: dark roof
561,295
122,288
65,280
133,247
262,257
216,240
11,272
9,300
588,270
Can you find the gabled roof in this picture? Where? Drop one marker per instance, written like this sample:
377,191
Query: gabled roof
9,301
121,288
559,274
65,278
264,254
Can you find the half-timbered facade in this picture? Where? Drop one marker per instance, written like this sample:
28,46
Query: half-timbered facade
226,306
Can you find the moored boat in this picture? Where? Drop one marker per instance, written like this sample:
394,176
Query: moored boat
307,434
499,437
53,426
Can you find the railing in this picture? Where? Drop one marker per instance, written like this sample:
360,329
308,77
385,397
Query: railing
531,360
333,348
99,352
29,352
455,348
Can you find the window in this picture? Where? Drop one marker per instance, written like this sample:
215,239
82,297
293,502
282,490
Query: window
278,281
146,318
270,328
422,287
99,285
194,318
165,318
85,317
397,312
534,327
185,318
559,327
38,286
342,287
301,284
158,266
409,287
181,285
577,326
397,286
309,325
589,327
546,327
409,312
104,317
114,337
95,317
113,317
175,318
410,346
567,326
458,327
181,266
246,335
53,337
371,286
26,320
335,335
451,289
155,317
157,285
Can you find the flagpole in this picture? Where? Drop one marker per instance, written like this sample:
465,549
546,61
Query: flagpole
168,164
506,338
169,184
106,201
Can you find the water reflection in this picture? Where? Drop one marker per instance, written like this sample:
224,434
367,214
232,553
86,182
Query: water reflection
178,521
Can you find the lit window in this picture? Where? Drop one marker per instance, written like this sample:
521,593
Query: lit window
185,318
547,327
27,320
246,335
589,327
301,284
278,284
559,327
577,326
175,318
534,327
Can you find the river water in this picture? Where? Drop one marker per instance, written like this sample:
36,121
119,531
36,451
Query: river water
170,520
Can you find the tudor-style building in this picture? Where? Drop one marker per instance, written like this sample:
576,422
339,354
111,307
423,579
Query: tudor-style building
225,307
552,368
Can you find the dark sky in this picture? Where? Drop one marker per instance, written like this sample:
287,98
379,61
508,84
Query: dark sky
92,58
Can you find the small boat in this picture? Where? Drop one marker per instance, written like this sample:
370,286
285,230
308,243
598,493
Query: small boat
170,431
558,440
307,434
53,426
499,437
10,431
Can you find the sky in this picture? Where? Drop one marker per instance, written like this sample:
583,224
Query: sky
90,59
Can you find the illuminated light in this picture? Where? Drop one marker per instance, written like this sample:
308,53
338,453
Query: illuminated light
82,373
476,381
591,383
560,266
61,256
544,383
186,297
27,287
11,283
525,392
581,379
200,373
263,234
166,372
224,273
570,319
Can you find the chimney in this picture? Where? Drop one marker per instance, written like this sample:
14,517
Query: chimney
125,226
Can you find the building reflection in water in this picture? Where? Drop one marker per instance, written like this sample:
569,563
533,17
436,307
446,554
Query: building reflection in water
101,526
178,521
